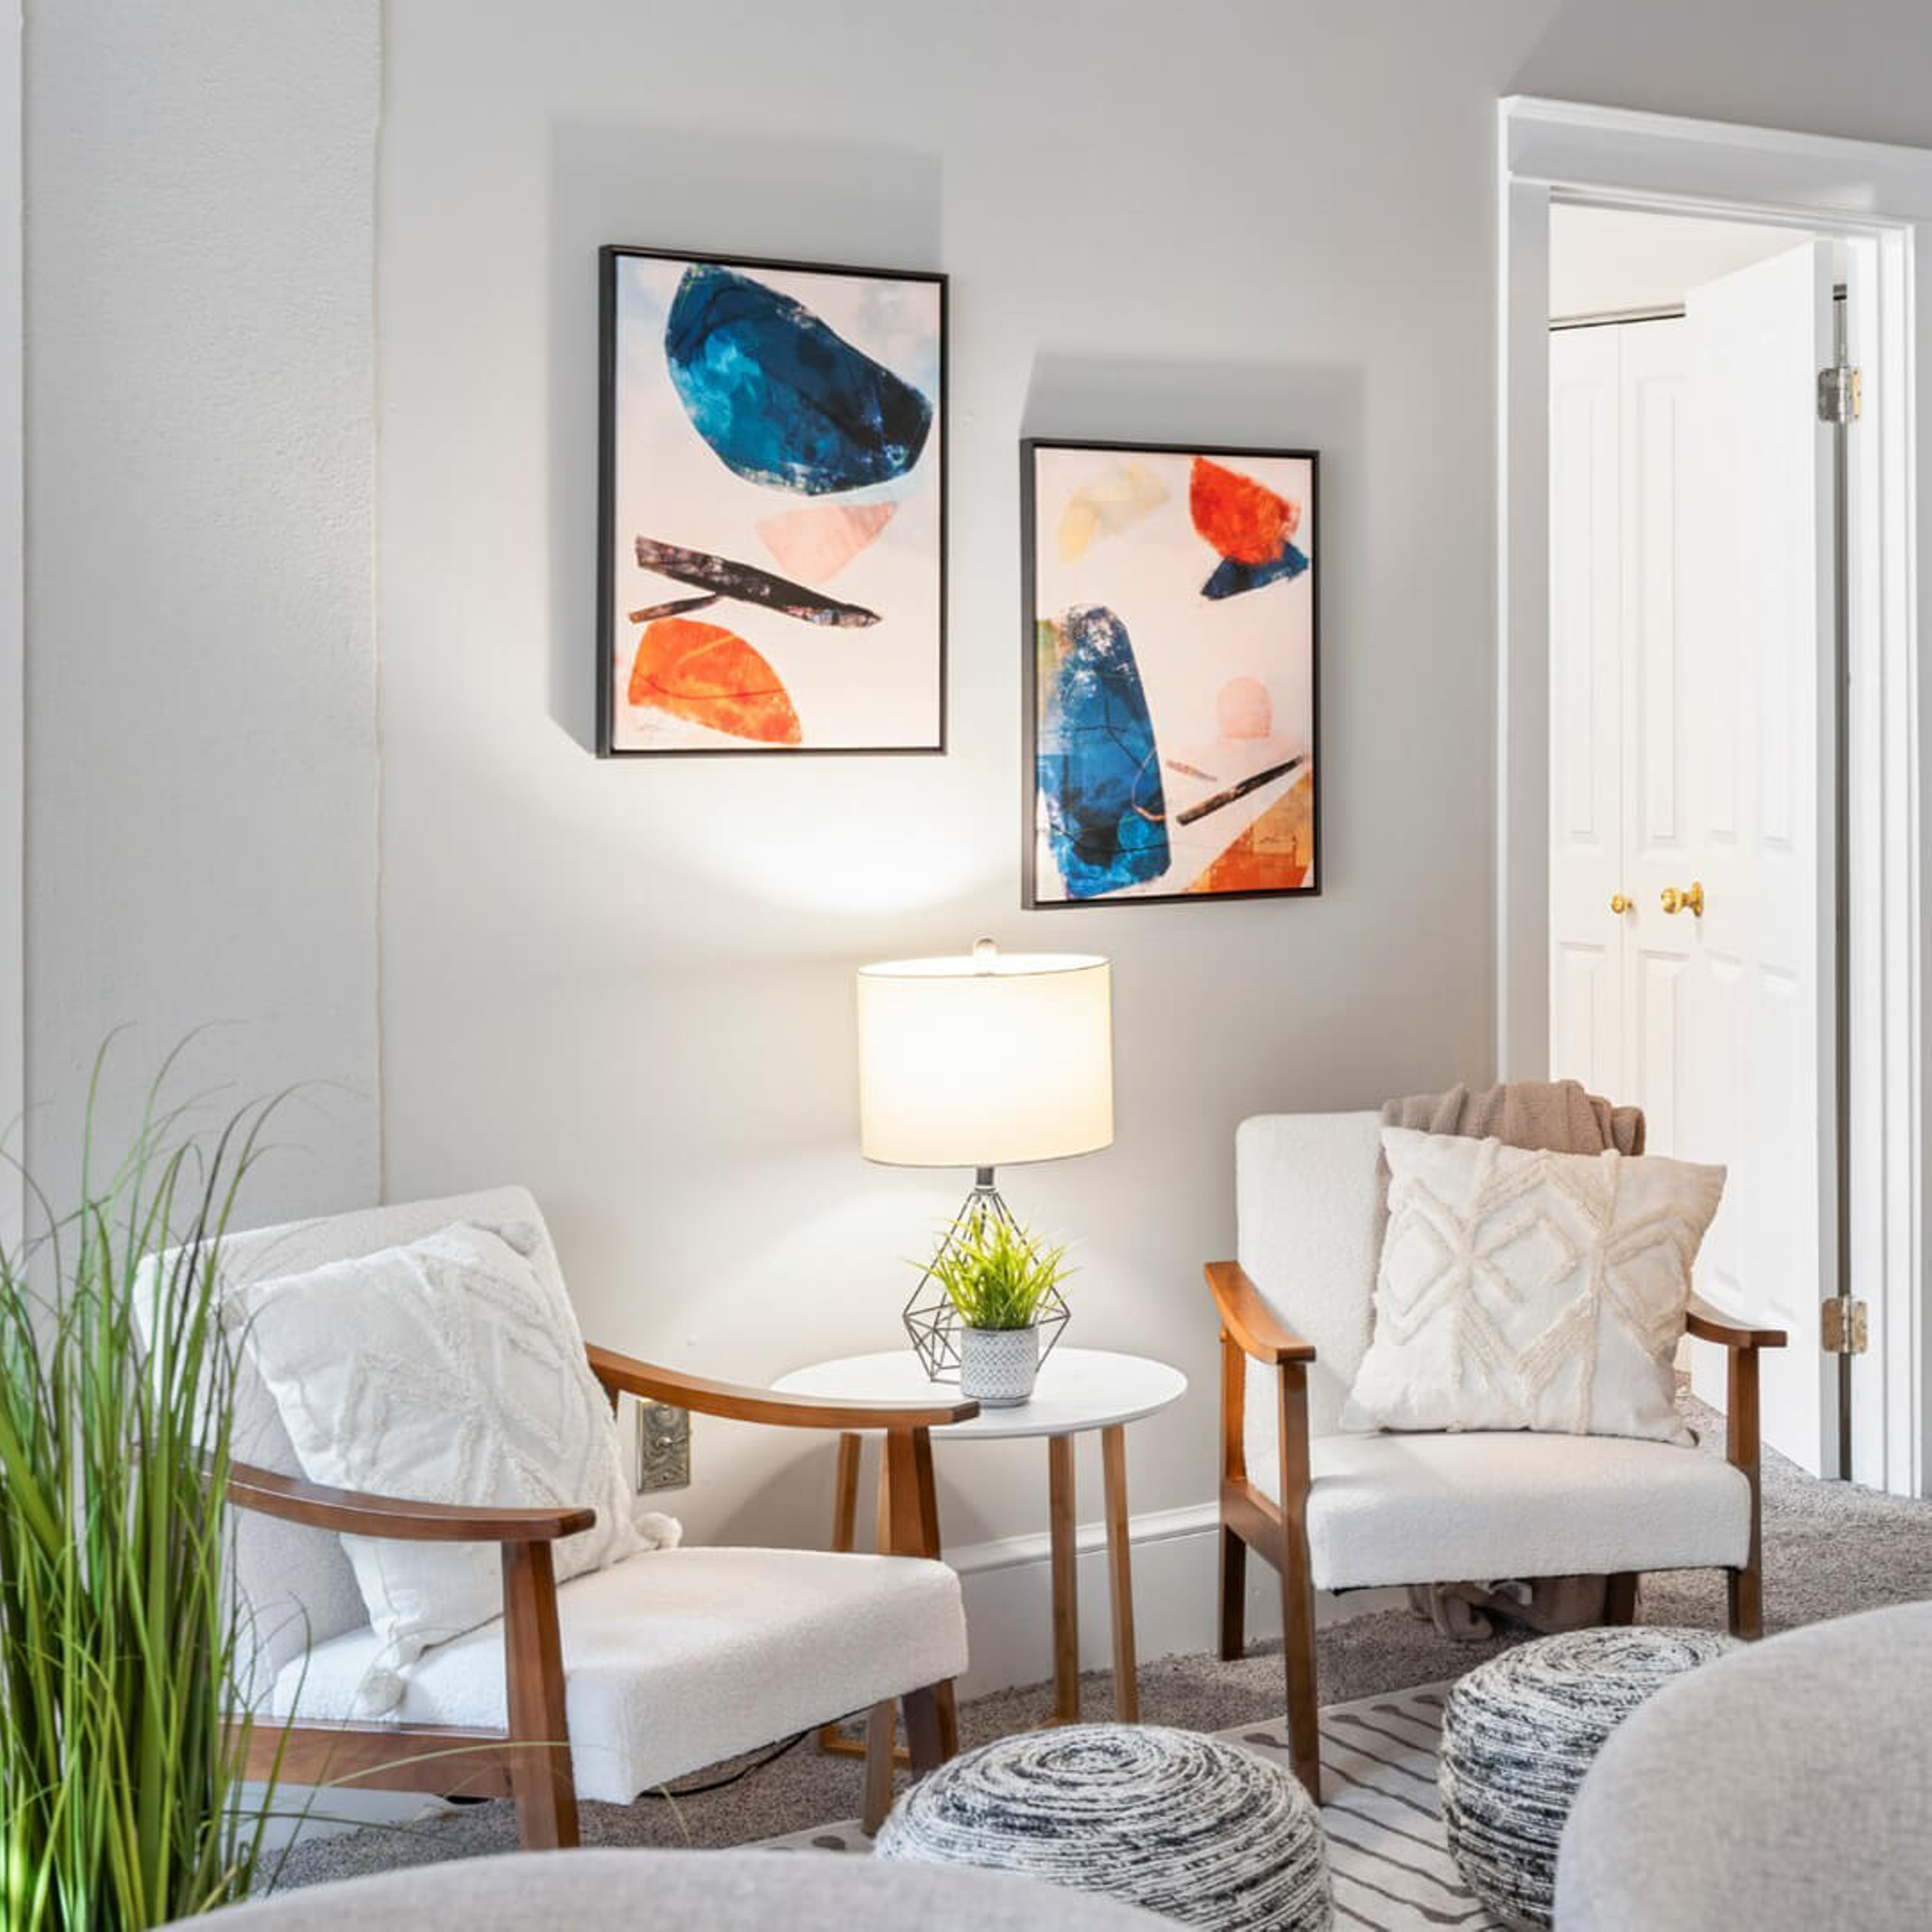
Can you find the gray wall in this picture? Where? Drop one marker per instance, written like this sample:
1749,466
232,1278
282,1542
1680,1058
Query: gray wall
631,985
200,660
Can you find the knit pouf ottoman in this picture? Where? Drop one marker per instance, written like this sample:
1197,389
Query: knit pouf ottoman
1518,1734
1200,1832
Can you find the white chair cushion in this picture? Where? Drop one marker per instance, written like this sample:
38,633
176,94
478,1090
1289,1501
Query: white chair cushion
1483,1505
1305,1200
678,1658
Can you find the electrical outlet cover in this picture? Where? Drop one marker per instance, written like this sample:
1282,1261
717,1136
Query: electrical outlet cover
664,1447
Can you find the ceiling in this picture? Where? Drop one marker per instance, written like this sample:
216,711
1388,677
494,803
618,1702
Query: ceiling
1603,260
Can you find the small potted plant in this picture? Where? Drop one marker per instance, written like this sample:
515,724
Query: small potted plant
999,1278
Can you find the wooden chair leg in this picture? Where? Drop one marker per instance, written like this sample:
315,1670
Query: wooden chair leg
1745,1584
1297,1585
541,1777
1745,1591
1233,1596
832,1739
1234,1469
880,1724
1620,1599
945,1697
931,1727
909,1526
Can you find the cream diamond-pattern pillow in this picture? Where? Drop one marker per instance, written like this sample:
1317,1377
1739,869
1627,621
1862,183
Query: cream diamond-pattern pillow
1526,1290
447,1371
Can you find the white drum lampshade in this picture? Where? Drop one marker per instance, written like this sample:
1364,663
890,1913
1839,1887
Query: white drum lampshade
985,1059
979,1061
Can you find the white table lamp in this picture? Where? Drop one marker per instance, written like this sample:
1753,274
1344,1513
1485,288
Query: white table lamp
980,1061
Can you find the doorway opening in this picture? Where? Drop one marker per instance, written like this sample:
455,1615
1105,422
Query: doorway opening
1708,685
1697,646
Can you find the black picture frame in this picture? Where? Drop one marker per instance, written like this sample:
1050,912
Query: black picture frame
1029,449
609,257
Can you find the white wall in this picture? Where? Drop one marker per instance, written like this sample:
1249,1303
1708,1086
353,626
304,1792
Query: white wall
12,643
200,842
630,985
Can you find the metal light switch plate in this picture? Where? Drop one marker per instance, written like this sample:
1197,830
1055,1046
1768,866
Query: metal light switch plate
664,1447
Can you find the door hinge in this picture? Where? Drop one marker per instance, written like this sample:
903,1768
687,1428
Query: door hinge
1841,394
1844,1326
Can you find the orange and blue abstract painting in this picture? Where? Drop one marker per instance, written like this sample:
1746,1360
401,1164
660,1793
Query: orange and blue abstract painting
771,565
1172,631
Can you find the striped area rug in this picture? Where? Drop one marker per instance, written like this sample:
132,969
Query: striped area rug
1387,1855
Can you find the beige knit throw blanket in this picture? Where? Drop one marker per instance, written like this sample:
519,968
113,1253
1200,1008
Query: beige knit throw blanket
1555,1117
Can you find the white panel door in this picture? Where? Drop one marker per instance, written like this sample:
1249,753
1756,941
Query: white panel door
1653,357
1748,1013
1586,965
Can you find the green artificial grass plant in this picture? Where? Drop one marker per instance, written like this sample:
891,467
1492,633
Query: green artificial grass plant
996,1274
120,1636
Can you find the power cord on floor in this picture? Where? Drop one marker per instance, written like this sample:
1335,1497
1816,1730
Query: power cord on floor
730,1778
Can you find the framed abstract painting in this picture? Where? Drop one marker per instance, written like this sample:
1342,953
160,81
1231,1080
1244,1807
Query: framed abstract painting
1172,596
771,556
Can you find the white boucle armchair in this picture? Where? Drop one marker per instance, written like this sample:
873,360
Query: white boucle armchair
616,1681
1336,1510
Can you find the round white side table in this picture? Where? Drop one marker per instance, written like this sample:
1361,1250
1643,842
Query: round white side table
1078,1389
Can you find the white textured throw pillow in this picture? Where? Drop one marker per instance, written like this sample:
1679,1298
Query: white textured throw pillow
1523,1290
447,1371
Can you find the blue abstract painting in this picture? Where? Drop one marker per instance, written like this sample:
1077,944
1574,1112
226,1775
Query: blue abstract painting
774,473
1097,764
1172,630
782,399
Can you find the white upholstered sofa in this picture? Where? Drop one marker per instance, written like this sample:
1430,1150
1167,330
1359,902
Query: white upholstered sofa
1333,1511
719,1891
1787,1787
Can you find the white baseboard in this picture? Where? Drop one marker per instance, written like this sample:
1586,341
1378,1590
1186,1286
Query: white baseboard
1009,1597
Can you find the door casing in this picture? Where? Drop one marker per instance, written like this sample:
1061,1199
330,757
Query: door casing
1879,198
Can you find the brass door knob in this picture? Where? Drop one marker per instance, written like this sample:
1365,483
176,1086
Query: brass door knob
1619,903
1691,900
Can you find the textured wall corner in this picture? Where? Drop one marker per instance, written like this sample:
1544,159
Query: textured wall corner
200,680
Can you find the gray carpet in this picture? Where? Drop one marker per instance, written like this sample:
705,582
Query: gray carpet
1830,1549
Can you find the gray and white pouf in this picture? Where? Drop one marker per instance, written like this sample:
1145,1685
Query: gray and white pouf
1519,1731
1201,1832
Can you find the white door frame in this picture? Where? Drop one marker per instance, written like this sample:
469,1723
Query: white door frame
1880,198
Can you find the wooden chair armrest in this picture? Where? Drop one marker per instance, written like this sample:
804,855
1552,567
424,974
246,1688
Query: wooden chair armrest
1257,1329
624,1374
296,1499
1712,1324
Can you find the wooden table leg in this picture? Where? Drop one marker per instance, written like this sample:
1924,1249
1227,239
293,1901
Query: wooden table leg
1061,1523
845,1494
1121,1575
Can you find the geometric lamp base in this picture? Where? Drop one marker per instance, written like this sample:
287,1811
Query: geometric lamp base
930,1319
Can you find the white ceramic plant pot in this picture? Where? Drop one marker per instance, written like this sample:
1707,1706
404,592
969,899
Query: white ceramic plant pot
997,1365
